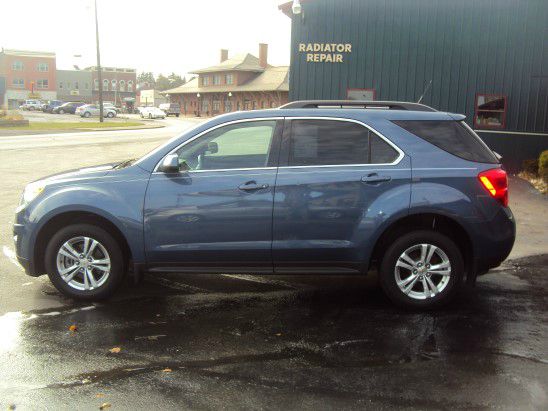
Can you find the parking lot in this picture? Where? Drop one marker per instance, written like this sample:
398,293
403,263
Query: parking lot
256,342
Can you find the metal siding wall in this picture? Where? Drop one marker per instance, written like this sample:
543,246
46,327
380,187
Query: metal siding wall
466,47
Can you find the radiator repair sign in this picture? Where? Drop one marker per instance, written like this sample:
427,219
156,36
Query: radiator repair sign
325,52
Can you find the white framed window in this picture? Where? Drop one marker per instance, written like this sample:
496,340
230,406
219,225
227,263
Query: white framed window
105,85
229,79
122,85
18,83
130,85
76,86
217,79
43,67
205,81
228,106
69,85
60,85
216,106
114,84
42,83
86,86
96,85
17,66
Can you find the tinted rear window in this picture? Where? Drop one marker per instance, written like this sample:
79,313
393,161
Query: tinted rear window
331,142
451,136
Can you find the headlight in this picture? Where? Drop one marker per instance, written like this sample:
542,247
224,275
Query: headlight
31,191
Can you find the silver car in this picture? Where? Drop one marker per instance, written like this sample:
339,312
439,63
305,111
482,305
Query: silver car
92,110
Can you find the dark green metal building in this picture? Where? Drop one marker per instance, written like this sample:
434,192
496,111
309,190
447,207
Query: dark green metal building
487,59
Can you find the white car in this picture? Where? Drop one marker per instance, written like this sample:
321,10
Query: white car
89,110
151,112
31,105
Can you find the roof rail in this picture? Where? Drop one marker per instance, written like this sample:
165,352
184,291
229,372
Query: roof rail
378,105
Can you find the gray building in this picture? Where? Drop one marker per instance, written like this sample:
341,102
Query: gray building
482,58
74,85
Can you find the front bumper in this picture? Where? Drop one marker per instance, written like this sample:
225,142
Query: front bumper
21,239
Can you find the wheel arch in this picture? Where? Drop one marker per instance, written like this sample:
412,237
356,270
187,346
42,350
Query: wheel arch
432,221
63,219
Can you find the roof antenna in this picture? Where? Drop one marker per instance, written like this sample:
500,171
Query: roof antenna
425,90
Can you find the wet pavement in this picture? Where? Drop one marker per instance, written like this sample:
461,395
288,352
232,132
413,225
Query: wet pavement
246,342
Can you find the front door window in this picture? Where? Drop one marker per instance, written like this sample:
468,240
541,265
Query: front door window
240,145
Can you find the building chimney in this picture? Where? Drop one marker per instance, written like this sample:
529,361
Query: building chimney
263,55
224,55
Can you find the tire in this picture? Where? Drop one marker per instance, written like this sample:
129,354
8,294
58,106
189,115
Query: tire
87,114
106,249
61,111
176,115
110,114
142,116
31,108
446,280
150,116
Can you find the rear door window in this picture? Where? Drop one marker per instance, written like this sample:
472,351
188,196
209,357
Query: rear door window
316,142
451,136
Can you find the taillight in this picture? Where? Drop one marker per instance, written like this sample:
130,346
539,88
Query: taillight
495,181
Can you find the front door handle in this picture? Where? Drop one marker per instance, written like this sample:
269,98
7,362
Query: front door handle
374,178
252,186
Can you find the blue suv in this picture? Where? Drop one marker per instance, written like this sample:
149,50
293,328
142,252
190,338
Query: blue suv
313,187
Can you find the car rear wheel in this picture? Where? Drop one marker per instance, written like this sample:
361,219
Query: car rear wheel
87,114
61,111
110,114
84,262
421,269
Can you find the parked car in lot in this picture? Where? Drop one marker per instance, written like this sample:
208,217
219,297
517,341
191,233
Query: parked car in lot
92,110
314,187
67,108
111,106
31,105
48,106
171,109
151,112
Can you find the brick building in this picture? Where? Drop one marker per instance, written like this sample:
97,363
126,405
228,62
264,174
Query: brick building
27,75
119,85
243,82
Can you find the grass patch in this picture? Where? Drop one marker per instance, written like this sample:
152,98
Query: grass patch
74,125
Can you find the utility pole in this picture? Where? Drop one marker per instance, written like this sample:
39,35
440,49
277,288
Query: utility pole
99,70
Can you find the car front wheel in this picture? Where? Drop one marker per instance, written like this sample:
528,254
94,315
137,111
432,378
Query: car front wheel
84,262
110,115
61,111
421,269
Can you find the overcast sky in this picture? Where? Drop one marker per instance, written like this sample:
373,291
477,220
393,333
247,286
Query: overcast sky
150,35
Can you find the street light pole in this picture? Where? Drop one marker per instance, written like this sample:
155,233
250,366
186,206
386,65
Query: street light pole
99,75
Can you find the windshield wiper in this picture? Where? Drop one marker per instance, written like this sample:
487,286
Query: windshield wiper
125,163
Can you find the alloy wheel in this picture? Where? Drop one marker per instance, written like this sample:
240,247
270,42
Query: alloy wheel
422,271
83,263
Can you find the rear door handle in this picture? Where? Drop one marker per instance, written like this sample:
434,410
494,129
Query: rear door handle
252,186
374,178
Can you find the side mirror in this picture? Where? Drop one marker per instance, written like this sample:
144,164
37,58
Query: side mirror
212,147
170,164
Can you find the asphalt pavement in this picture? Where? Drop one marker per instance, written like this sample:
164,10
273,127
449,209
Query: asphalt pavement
257,342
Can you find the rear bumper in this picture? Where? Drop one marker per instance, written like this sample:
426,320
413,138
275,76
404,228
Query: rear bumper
496,241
